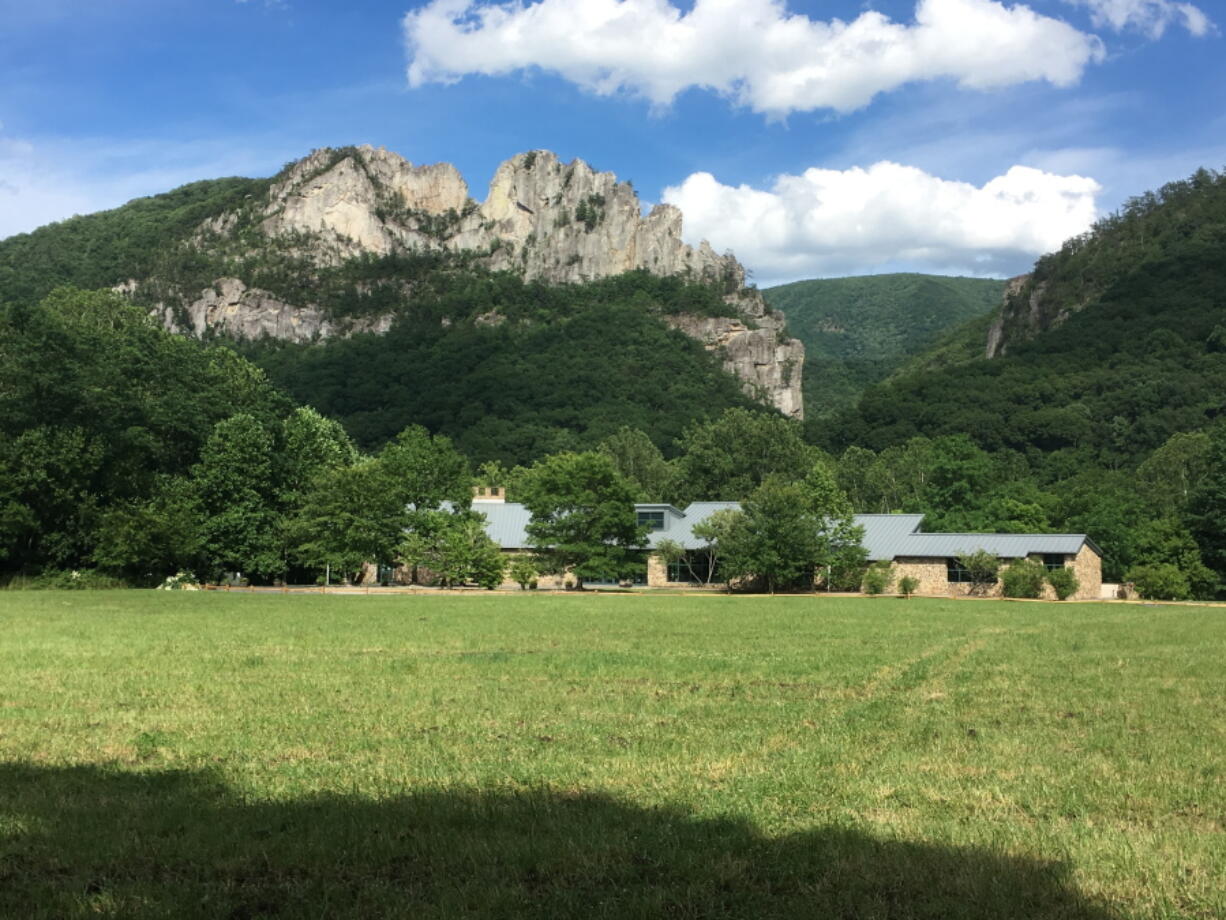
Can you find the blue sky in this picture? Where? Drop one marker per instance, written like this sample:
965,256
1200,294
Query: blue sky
957,136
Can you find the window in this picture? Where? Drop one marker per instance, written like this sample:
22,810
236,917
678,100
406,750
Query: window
654,520
958,575
638,578
1053,561
694,569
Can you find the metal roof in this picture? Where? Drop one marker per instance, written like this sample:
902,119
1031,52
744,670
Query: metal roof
1005,545
884,533
886,536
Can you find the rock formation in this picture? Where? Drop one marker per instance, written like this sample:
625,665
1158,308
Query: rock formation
1025,312
543,219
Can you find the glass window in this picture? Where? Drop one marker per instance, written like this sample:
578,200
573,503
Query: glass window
1053,561
654,520
694,569
957,574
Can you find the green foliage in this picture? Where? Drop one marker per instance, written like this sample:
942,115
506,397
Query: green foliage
640,462
908,585
455,549
349,516
239,528
583,517
1101,424
878,577
534,382
858,330
982,568
65,580
1063,582
524,572
104,249
1023,578
789,532
1160,581
727,458
101,413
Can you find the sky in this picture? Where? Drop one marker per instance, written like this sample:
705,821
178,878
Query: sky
813,139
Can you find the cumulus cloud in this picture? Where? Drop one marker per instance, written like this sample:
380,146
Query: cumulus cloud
886,217
753,51
1149,16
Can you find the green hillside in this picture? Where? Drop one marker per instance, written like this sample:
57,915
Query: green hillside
1104,418
858,330
103,249
511,369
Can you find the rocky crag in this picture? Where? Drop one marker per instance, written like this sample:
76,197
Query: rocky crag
1024,312
543,219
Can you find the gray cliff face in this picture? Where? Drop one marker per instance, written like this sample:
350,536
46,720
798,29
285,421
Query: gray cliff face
542,219
249,313
1025,312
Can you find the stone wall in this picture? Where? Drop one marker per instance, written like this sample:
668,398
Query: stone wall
1088,567
933,576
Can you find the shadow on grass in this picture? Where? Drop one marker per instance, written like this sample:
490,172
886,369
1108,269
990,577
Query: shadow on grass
84,841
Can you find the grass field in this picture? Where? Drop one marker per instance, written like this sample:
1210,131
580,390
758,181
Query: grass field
243,756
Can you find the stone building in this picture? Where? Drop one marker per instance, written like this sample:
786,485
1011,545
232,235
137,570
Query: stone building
931,558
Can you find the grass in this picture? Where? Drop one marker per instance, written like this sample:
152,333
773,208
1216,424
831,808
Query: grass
243,756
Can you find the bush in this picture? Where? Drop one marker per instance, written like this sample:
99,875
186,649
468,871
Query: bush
62,580
878,578
1024,578
524,572
1161,581
1063,582
908,585
982,568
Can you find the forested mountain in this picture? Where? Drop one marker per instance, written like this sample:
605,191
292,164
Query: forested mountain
857,331
1101,410
546,317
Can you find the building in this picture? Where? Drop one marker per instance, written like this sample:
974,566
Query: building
930,558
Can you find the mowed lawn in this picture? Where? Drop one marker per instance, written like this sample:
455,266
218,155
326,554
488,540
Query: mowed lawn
243,756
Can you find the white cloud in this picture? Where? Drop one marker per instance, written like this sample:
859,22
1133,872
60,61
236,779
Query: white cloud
753,51
886,217
1148,16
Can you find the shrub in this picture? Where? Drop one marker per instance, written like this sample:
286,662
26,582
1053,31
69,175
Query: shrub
524,572
1024,578
1063,582
908,585
878,578
1160,581
64,580
981,567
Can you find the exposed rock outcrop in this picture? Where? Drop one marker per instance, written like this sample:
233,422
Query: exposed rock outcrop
1025,312
542,218
231,307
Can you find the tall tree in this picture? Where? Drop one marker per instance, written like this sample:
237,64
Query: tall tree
640,462
790,533
729,457
235,487
583,517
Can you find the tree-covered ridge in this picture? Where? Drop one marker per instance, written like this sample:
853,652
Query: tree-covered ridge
1077,429
1183,216
110,247
858,330
513,370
